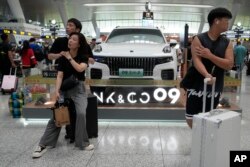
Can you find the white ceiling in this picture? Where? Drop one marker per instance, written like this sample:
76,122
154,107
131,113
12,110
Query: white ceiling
45,10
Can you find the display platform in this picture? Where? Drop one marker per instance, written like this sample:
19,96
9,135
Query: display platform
130,99
32,111
122,112
39,79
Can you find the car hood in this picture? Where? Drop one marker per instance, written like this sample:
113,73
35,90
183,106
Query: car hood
138,50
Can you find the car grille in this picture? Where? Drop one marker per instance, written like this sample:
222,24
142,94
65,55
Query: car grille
147,64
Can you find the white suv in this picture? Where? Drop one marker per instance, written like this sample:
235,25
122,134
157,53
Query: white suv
134,52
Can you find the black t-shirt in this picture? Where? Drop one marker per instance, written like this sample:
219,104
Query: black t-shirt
5,48
65,66
61,44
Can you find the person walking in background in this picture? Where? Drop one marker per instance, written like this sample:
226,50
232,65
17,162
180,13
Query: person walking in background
46,49
74,61
7,55
240,52
212,54
28,58
92,43
38,52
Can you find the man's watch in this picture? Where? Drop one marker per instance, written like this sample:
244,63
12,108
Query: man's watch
69,59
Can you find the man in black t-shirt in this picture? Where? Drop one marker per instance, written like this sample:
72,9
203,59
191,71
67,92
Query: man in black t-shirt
61,44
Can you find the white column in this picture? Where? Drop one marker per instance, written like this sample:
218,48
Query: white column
62,10
16,10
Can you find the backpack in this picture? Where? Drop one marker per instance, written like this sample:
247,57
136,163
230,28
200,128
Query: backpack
38,53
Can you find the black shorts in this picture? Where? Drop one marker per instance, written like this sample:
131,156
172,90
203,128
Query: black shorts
195,101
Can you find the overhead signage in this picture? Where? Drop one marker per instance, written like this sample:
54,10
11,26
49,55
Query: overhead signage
16,32
148,16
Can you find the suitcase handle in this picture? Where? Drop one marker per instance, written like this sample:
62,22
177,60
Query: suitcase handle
11,70
206,80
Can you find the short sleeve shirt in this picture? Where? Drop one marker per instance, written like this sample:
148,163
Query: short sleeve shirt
65,66
60,44
6,48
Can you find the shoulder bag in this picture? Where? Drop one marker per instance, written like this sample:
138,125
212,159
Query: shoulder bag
69,83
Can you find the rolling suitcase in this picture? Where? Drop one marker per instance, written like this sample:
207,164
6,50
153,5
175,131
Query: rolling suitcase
92,117
9,83
214,134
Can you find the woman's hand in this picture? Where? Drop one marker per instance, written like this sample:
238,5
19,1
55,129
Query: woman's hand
66,55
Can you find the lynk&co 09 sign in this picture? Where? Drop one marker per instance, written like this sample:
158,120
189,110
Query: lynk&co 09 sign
135,95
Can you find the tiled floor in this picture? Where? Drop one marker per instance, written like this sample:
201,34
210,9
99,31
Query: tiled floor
120,144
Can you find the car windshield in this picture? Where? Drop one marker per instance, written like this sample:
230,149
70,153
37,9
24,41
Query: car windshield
151,36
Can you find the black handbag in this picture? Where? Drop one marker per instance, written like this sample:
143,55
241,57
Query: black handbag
189,79
69,83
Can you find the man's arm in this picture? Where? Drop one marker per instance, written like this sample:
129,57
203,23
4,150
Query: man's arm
91,56
196,45
225,63
54,52
53,56
11,56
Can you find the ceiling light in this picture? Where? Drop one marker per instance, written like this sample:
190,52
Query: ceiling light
53,21
118,11
142,4
112,4
185,5
139,11
182,12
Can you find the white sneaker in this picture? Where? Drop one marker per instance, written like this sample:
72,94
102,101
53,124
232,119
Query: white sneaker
39,151
89,147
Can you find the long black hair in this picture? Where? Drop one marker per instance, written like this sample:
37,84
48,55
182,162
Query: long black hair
26,46
83,49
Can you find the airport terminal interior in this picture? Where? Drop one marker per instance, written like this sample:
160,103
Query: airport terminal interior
136,107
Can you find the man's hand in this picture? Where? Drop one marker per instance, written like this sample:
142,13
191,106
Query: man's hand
203,52
211,81
91,60
13,65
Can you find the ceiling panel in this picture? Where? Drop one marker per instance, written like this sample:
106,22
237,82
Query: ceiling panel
45,10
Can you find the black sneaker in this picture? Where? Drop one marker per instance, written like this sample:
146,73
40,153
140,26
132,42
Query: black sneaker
71,140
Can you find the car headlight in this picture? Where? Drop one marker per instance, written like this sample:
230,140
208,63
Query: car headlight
98,48
164,60
99,59
166,49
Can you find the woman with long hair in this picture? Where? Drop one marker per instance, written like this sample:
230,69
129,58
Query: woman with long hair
28,58
74,61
